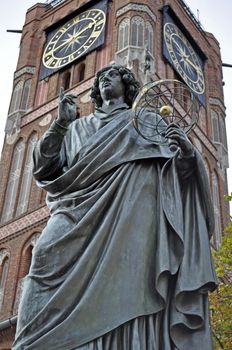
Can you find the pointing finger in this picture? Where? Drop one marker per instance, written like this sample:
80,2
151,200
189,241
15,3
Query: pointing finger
61,95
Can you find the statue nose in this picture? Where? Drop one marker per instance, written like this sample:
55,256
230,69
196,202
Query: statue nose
106,78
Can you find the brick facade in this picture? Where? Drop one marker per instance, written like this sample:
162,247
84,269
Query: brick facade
18,235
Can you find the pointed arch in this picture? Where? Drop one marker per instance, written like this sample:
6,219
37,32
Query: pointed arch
123,33
24,194
13,182
25,95
16,97
137,31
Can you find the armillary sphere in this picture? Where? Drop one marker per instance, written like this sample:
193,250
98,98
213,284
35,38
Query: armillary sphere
161,103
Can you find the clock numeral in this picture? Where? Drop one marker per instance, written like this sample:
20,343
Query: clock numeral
76,20
85,47
58,63
101,22
62,30
173,56
167,40
95,34
48,59
72,57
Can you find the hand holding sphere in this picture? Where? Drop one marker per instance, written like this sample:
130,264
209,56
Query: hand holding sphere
164,112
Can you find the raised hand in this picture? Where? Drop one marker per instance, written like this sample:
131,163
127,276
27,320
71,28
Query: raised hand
67,110
177,138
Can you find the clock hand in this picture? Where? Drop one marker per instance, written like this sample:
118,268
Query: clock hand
185,57
182,52
89,26
74,37
192,64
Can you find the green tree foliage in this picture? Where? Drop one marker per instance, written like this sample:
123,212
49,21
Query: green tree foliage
221,299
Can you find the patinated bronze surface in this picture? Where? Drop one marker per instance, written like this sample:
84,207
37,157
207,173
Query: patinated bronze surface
124,261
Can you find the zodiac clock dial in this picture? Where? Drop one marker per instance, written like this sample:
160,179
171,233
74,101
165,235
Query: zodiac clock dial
184,58
74,39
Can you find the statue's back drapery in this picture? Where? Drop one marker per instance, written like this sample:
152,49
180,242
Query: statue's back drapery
124,261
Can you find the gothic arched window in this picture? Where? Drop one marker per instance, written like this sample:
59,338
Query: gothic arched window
215,127
25,95
13,182
137,31
4,266
149,37
217,215
27,177
123,33
16,97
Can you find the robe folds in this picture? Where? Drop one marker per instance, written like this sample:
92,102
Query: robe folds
128,238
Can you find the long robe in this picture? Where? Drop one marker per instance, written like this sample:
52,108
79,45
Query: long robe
127,241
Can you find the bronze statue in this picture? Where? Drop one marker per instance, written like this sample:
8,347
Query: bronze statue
124,261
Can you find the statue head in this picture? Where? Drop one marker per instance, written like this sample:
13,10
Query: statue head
131,85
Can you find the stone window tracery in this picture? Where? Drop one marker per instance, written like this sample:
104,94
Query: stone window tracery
25,95
215,127
13,182
123,33
27,177
223,132
135,44
16,97
20,96
137,31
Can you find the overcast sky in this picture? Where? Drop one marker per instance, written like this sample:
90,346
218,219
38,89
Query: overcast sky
214,15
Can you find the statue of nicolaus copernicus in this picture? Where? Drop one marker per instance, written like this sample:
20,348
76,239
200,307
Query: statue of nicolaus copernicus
124,262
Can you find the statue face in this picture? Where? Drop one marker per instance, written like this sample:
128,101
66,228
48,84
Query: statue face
111,85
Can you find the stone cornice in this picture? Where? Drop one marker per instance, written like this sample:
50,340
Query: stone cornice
136,7
24,223
27,69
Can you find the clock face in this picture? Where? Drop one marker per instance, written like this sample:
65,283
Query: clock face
184,58
74,39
